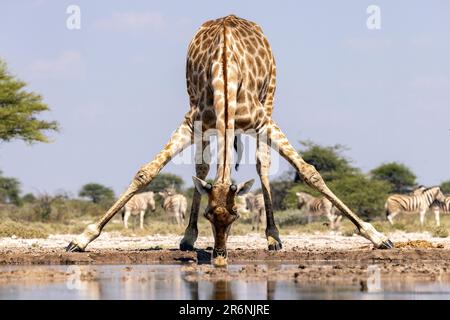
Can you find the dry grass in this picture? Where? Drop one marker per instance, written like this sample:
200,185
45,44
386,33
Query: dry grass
18,223
21,230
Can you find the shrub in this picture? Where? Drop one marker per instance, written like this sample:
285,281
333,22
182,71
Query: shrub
440,232
364,196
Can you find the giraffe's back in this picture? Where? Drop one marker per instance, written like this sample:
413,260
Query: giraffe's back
249,51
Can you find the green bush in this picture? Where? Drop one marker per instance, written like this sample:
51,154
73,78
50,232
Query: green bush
364,196
290,217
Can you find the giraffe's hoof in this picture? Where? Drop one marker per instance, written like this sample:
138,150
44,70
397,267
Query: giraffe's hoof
73,247
387,244
274,243
275,246
185,246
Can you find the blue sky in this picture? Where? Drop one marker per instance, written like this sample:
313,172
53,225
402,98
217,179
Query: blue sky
117,85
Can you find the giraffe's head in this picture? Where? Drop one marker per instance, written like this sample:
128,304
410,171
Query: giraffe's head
221,212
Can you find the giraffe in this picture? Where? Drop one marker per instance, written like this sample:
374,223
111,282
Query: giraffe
230,74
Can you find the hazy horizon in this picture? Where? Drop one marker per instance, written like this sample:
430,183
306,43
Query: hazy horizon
117,85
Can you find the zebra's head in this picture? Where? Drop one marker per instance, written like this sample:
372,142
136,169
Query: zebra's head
419,190
439,196
150,199
221,212
301,199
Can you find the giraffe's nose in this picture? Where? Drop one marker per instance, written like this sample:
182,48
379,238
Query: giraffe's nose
220,257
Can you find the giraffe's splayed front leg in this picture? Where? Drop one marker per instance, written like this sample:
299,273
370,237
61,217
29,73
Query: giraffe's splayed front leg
80,243
379,240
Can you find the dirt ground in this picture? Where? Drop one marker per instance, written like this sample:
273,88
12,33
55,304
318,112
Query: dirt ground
322,257
111,248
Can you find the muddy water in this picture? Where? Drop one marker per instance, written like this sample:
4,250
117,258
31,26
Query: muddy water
195,282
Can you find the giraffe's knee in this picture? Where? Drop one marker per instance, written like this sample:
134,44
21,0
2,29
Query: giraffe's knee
311,176
144,176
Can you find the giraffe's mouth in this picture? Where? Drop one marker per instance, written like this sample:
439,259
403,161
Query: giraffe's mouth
220,257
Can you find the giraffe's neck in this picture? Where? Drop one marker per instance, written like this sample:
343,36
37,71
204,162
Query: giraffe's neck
225,112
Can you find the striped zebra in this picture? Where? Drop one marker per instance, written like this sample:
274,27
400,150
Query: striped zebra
174,205
441,206
420,201
138,205
437,206
241,204
255,204
419,190
319,207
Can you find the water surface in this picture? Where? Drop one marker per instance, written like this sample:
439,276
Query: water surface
167,282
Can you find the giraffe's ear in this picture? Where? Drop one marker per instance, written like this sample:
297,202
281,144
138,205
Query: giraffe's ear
244,187
201,186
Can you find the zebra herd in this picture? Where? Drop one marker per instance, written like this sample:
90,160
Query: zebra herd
174,205
420,200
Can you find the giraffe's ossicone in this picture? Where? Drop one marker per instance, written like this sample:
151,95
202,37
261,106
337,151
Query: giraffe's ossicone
230,74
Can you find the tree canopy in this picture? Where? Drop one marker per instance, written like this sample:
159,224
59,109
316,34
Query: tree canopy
445,187
96,192
19,110
398,175
328,160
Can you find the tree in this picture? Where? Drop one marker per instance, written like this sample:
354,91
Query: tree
9,190
401,178
96,192
279,190
445,187
29,198
18,111
364,196
328,160
164,181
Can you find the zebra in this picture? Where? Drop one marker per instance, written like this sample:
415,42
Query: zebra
419,190
241,204
174,205
437,206
421,200
255,204
318,207
138,205
441,206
